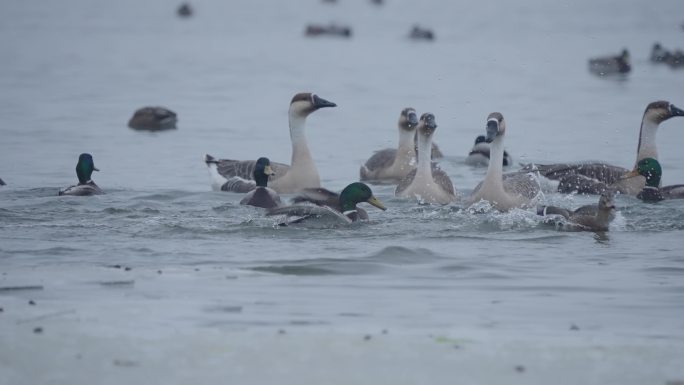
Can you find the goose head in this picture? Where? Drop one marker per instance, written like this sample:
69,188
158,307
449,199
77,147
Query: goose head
304,103
85,167
408,119
262,170
427,125
496,126
358,192
660,111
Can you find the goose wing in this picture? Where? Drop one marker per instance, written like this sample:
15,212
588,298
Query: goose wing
229,168
585,178
524,184
405,182
442,180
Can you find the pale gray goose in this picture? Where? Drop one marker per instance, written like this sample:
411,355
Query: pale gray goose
237,175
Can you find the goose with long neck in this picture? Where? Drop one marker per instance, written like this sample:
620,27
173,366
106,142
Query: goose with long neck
84,172
517,190
390,165
428,183
262,195
597,177
237,176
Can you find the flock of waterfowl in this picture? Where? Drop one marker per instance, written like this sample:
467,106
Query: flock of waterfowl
621,64
412,167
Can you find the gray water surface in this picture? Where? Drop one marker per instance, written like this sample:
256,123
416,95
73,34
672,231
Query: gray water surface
161,253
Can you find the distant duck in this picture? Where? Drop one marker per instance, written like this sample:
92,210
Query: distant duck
153,119
328,30
427,182
322,203
420,33
650,169
595,177
676,59
237,175
479,154
262,196
589,218
659,54
517,190
391,165
85,186
2,182
611,65
184,10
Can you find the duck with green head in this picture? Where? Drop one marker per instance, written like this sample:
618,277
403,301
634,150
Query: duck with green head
323,203
650,169
262,195
85,186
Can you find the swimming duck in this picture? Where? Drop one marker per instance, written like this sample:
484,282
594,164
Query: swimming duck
419,33
85,186
320,202
262,196
658,53
428,183
329,30
611,65
184,10
590,217
676,59
650,169
153,119
236,175
594,178
479,154
504,193
393,164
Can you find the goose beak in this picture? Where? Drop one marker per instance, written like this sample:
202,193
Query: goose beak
320,102
376,202
268,170
412,119
492,130
675,111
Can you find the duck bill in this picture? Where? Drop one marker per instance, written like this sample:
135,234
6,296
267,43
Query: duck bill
321,103
268,170
675,111
376,202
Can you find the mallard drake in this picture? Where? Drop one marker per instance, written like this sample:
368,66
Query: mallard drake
650,169
589,217
85,186
237,175
319,202
427,182
596,177
262,196
504,193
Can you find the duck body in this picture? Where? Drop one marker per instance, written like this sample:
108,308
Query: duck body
262,196
590,217
320,203
598,177
427,182
391,165
84,171
313,30
420,33
516,190
479,154
153,119
650,169
237,176
611,65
